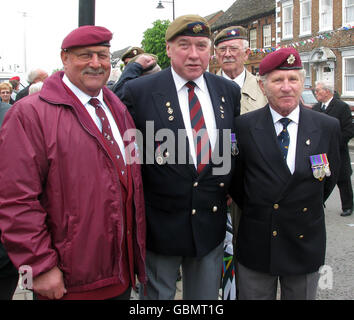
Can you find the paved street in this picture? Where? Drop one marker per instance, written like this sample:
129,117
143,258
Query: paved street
339,257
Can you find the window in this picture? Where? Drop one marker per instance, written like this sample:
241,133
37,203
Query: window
348,12
305,17
267,36
287,20
348,75
308,74
253,39
326,15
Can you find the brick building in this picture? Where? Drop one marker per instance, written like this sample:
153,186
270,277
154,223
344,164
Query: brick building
258,17
321,30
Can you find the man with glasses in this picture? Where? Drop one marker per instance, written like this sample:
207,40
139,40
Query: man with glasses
232,51
71,201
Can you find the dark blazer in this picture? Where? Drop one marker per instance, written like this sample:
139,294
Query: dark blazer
282,227
23,93
186,212
340,110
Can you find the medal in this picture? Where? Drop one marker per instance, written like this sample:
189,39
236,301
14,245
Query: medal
320,166
234,149
327,170
159,158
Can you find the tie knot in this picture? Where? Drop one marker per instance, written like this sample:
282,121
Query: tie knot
95,102
285,122
190,85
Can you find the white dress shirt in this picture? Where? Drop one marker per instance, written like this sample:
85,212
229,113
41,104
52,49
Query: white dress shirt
201,90
292,129
240,79
326,104
84,99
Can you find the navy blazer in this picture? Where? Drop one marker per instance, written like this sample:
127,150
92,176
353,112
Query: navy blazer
282,227
185,211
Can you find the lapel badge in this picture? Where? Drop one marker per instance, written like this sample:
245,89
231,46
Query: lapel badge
168,104
308,142
170,110
171,118
223,99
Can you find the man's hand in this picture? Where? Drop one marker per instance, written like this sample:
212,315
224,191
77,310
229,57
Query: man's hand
50,284
145,61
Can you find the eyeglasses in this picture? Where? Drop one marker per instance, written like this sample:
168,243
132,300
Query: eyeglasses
232,50
87,56
5,92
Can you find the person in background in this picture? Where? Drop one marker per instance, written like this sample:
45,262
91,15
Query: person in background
337,108
232,51
142,64
5,92
71,202
131,53
35,87
15,82
34,76
185,199
287,166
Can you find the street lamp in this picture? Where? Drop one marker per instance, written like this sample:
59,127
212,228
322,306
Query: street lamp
160,6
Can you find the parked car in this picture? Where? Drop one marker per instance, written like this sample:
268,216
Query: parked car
308,98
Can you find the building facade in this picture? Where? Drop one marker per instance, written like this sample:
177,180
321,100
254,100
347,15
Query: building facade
322,31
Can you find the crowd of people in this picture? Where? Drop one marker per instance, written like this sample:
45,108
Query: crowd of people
103,187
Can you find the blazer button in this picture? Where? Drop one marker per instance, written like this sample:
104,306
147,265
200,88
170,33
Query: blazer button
194,211
195,184
275,233
222,184
276,206
215,209
301,236
304,210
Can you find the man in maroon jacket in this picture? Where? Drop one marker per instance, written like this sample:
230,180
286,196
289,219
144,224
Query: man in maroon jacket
71,199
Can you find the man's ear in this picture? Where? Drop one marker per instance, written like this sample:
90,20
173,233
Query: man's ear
64,57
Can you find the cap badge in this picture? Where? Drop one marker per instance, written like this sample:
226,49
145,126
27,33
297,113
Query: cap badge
291,59
135,52
197,28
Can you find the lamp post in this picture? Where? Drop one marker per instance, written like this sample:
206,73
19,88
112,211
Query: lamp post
160,6
87,12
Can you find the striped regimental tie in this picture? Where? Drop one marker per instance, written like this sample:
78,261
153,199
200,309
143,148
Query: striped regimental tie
200,133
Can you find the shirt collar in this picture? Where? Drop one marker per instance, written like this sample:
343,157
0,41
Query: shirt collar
181,82
240,79
82,96
293,116
328,102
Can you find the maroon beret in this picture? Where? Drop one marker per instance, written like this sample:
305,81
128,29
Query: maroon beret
87,36
282,59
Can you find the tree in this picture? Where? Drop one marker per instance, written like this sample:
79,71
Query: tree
154,42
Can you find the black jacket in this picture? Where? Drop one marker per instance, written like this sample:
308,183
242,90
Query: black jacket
282,227
340,110
185,212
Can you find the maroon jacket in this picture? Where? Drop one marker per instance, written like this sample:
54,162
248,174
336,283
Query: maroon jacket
60,199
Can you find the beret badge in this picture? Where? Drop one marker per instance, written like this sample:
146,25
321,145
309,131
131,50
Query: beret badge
197,28
291,59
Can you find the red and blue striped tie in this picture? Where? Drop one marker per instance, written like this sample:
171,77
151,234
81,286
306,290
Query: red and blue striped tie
200,133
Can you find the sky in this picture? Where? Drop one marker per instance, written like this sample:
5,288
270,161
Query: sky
35,40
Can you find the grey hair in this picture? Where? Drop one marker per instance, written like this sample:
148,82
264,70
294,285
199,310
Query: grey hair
326,85
34,74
